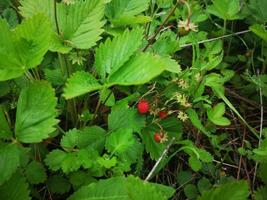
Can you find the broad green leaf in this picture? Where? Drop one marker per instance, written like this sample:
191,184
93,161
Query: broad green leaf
32,39
260,153
119,113
121,188
139,70
24,47
111,55
257,9
58,184
80,83
237,190
212,63
9,161
120,141
225,9
192,114
216,113
15,188
54,159
90,136
36,112
130,20
35,173
29,8
259,31
120,8
81,23
5,132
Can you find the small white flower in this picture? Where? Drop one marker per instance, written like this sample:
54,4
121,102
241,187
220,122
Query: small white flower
187,25
182,116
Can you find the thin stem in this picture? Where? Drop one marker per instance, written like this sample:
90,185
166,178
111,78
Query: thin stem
261,130
151,40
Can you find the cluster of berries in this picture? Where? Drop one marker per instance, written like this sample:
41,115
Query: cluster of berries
143,108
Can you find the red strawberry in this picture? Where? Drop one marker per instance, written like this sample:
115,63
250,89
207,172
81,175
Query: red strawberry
157,137
143,106
163,114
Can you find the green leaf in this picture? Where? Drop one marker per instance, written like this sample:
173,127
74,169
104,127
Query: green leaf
121,188
261,193
257,9
192,114
90,136
15,189
80,83
81,23
190,191
36,112
5,132
119,141
24,47
58,184
259,31
237,190
54,159
35,173
9,161
225,9
120,8
216,115
111,55
32,38
139,70
194,163
130,20
119,113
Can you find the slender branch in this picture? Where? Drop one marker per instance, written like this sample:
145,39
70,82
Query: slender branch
150,41
159,160
217,38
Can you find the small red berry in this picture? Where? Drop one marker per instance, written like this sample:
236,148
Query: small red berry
163,114
143,106
157,137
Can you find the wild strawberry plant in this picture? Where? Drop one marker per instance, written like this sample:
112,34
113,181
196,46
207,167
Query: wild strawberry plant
136,99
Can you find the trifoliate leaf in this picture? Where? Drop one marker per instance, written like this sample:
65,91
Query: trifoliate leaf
15,188
35,173
80,83
9,161
36,112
